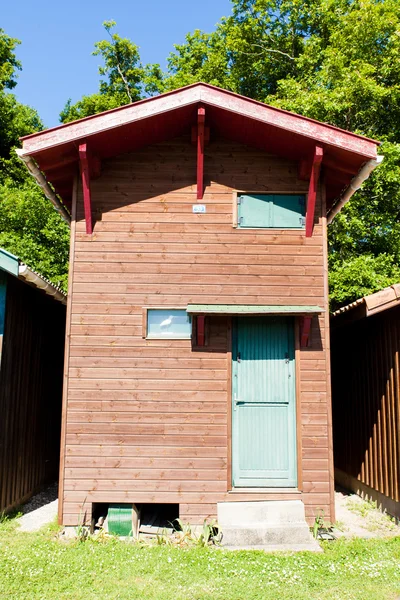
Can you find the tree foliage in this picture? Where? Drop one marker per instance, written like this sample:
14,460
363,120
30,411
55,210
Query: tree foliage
8,61
29,226
123,78
31,229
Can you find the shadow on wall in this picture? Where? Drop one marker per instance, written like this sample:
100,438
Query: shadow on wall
365,400
171,167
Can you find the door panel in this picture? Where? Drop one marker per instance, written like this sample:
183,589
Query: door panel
263,396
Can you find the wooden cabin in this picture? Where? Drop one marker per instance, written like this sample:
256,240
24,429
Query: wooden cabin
197,354
32,333
365,337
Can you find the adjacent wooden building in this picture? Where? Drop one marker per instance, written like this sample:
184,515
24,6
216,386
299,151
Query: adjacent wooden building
32,332
366,397
197,355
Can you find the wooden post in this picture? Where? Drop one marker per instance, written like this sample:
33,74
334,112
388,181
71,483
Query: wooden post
312,190
201,116
87,200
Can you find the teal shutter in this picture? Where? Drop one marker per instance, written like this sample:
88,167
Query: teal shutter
254,211
288,212
263,403
279,211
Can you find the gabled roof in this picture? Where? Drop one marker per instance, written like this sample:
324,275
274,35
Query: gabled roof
14,266
229,115
368,306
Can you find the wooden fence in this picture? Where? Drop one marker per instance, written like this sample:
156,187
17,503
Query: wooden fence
366,405
30,391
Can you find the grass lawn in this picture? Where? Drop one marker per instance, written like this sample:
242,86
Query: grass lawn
39,566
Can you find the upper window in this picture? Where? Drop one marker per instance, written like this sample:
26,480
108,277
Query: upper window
271,211
168,324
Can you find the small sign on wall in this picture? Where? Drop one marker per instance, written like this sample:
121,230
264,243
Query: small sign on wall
199,208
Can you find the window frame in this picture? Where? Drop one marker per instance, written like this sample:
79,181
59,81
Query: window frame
235,208
145,334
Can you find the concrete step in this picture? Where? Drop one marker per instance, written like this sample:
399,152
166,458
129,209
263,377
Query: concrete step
264,524
311,546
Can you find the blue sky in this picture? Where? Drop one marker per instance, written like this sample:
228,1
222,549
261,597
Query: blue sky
58,38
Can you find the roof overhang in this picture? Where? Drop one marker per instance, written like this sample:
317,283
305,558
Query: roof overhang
228,115
248,309
11,264
367,306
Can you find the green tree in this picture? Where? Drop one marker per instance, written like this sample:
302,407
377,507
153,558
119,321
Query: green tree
203,57
123,78
8,61
31,229
29,226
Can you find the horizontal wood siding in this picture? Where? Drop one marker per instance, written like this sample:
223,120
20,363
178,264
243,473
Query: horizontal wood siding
147,420
30,392
366,402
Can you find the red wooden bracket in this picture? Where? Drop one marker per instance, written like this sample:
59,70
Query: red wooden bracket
90,169
87,199
201,117
305,330
312,190
200,330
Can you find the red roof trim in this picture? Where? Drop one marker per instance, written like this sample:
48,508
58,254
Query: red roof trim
212,94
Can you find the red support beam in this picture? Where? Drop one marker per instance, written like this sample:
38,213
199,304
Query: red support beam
90,169
87,199
305,330
312,190
200,330
201,117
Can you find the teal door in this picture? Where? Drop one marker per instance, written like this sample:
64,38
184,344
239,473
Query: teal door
264,403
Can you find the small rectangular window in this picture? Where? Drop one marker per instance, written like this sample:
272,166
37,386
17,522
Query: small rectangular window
271,211
168,324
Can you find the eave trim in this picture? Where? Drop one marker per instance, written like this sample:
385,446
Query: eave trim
248,309
213,96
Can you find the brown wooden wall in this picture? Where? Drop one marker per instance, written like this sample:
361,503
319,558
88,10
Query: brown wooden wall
148,420
366,401
30,391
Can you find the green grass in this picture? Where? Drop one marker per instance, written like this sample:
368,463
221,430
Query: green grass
374,519
40,566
